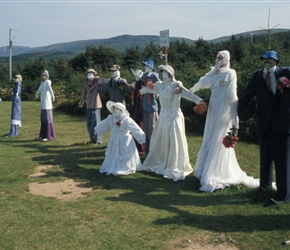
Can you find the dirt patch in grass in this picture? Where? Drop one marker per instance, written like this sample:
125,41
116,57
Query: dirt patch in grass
70,190
64,190
204,243
199,246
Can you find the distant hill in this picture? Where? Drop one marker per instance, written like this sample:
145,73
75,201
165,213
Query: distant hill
121,43
248,34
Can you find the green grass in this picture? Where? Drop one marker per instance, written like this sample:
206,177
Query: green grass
140,211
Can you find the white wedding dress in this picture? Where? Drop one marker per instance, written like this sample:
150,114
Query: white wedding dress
168,152
217,167
122,156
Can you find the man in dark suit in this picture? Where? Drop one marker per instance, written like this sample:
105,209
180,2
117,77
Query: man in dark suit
117,86
271,87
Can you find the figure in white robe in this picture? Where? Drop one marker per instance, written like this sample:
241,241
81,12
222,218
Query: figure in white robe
168,152
45,91
122,156
217,166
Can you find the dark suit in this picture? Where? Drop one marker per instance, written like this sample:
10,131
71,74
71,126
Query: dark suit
273,121
116,87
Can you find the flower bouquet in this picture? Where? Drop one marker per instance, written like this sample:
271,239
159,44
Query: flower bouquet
231,138
177,90
200,108
283,82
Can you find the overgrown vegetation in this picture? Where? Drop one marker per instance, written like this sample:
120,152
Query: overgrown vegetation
190,61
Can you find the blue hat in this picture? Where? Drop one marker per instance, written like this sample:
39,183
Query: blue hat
149,62
270,54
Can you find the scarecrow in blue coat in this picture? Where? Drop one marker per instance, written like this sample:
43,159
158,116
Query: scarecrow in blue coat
16,107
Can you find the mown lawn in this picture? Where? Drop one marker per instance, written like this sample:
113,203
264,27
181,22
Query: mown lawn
140,211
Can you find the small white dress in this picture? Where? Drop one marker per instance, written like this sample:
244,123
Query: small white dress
216,166
122,156
168,152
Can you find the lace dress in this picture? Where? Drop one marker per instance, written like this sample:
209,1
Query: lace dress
122,157
217,166
168,152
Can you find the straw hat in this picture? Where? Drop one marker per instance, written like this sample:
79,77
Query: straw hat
18,78
115,67
92,71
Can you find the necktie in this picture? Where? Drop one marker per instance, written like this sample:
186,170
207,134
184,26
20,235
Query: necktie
268,81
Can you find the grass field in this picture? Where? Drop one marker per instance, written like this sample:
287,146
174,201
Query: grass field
139,211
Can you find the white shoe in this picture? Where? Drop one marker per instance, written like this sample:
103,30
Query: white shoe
44,139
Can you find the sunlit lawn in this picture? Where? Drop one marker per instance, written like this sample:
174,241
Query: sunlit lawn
140,211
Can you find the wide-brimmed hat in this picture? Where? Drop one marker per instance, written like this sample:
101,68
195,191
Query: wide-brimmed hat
18,78
270,54
115,67
119,105
149,63
167,68
92,71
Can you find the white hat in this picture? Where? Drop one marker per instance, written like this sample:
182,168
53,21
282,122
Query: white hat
119,105
168,69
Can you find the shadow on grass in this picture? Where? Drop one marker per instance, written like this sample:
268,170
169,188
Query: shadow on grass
182,199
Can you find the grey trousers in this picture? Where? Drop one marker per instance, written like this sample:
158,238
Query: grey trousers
149,120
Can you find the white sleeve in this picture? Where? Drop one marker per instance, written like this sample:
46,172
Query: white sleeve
203,83
50,89
103,126
135,130
148,90
232,99
185,93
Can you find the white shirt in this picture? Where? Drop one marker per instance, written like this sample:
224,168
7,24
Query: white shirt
272,78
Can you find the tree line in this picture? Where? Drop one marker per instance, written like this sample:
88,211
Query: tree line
190,62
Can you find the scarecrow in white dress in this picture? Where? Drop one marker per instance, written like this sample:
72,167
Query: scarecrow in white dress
168,152
122,156
217,166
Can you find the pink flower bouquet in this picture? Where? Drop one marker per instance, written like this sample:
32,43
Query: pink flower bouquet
283,82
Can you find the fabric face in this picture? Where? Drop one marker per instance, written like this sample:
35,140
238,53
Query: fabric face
269,63
222,60
165,75
45,74
115,73
90,75
147,69
116,112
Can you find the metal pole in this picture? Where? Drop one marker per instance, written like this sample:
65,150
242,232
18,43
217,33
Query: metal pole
10,55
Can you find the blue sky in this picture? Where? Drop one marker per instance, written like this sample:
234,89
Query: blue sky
41,23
